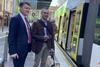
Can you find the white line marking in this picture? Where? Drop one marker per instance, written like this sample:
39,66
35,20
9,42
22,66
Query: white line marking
3,36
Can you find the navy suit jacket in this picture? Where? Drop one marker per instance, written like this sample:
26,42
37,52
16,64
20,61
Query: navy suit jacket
17,37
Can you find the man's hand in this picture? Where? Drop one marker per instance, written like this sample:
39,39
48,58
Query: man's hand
14,56
46,38
51,51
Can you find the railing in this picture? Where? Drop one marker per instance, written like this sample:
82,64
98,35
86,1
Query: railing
3,50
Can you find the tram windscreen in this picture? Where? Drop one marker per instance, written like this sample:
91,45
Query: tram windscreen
97,29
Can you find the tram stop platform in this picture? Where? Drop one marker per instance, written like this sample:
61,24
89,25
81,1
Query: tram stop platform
61,58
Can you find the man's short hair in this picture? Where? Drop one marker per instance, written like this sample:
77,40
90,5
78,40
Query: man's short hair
45,8
23,3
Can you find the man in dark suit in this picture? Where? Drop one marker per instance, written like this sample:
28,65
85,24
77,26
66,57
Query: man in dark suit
42,39
19,37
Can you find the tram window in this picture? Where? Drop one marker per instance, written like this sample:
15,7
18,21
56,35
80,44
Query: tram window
99,12
59,27
64,21
78,16
97,30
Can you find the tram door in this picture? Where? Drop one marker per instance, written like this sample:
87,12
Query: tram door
64,30
72,19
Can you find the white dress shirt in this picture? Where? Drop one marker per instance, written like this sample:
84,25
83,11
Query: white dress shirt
23,17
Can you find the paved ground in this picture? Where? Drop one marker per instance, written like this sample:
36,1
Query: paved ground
3,29
59,57
2,39
2,42
2,46
29,61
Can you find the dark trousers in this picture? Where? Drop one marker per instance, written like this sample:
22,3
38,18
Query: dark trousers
20,62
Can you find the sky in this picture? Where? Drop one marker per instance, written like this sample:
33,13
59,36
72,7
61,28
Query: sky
57,2
54,3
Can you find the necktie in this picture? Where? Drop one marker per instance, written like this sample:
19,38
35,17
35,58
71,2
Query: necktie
28,30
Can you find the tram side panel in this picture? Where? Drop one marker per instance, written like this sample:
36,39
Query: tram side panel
95,56
82,32
61,22
76,33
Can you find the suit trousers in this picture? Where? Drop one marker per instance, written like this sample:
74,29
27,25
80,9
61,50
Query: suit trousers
41,57
20,62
